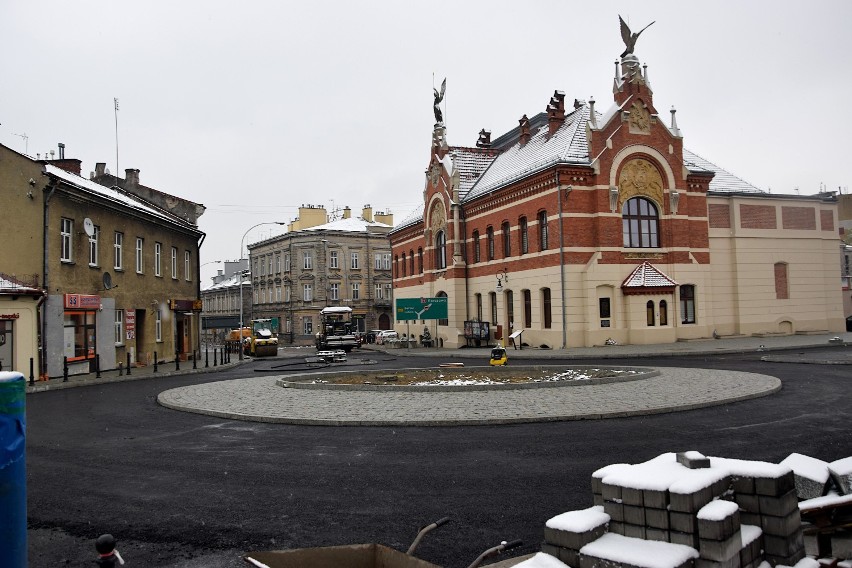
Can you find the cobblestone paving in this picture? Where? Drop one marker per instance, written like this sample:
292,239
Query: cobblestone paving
260,399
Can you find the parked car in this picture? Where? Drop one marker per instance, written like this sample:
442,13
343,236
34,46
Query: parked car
386,335
372,334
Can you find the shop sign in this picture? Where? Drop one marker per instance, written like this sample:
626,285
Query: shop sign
130,324
9,316
185,305
82,302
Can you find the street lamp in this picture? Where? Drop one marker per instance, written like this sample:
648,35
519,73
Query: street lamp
502,276
242,273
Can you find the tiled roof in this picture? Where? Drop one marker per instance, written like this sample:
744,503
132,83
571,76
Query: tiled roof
470,163
723,180
647,276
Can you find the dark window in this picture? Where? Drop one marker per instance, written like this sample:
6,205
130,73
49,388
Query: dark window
396,266
522,229
404,273
420,259
476,257
411,262
542,230
440,250
493,297
604,308
507,242
442,321
479,307
527,309
664,313
546,308
639,224
489,235
687,304
649,313
510,310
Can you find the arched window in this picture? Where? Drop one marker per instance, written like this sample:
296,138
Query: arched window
524,237
664,312
640,223
527,309
479,307
547,318
476,257
442,321
440,250
507,242
510,310
687,303
492,296
489,236
411,262
396,266
649,313
420,259
542,230
403,265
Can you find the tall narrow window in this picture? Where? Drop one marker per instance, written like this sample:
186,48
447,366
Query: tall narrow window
639,223
664,312
510,310
158,259
308,293
492,296
388,291
140,247
527,309
354,260
174,263
411,262
442,321
489,238
158,327
546,309
308,260
119,327
522,229
378,261
404,266
475,240
420,259
286,262
479,307
67,234
386,259
782,289
356,291
440,250
118,245
649,313
277,264
687,304
377,291
308,324
187,263
507,241
334,291
93,246
542,230
333,261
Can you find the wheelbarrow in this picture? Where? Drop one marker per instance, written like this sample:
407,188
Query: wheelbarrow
370,555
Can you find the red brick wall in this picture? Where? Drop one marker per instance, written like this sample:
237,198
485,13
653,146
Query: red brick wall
826,220
757,216
720,215
802,218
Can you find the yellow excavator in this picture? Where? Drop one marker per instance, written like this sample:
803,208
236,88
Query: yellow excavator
257,340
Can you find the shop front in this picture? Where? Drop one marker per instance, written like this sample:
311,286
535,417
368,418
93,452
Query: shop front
80,332
185,312
19,328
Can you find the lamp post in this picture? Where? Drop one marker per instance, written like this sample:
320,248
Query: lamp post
242,274
502,276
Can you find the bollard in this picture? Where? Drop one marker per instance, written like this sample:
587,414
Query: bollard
65,369
128,364
215,354
97,366
177,361
108,556
120,368
32,376
155,361
206,357
194,365
13,473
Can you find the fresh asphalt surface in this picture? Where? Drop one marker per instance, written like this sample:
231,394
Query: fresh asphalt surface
180,489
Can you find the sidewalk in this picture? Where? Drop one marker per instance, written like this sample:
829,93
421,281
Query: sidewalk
699,347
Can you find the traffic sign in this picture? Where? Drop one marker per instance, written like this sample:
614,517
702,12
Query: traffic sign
408,309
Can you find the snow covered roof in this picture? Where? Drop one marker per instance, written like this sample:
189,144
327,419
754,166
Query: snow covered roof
9,285
470,163
647,278
230,282
114,195
723,180
350,225
415,216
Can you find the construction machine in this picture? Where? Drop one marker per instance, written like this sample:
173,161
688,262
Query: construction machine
257,340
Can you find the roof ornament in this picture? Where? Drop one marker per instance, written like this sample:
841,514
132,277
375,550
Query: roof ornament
439,116
630,38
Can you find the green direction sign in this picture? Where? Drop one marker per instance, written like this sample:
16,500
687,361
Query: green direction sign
408,309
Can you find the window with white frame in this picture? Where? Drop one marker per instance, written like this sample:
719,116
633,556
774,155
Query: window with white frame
270,264
117,246
379,294
354,260
256,295
262,267
377,263
287,294
174,263
308,294
332,259
334,291
93,246
287,262
158,328
187,262
388,291
119,327
386,258
356,290
263,295
278,292
308,260
158,259
140,242
277,264
67,234
308,324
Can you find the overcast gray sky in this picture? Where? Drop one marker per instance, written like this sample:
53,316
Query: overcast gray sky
253,108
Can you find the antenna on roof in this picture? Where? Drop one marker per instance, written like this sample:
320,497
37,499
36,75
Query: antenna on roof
26,142
116,136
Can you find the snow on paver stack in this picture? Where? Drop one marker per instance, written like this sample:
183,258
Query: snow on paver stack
680,510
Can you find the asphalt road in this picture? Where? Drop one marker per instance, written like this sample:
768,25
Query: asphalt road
181,489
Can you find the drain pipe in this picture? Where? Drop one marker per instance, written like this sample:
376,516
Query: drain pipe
562,263
51,186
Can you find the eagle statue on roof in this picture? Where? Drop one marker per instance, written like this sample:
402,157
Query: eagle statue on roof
439,116
630,38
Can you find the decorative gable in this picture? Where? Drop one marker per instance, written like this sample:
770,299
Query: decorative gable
646,280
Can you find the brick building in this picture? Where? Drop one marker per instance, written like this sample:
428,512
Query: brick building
580,226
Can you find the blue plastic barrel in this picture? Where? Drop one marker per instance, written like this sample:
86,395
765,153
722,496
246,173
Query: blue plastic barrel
13,471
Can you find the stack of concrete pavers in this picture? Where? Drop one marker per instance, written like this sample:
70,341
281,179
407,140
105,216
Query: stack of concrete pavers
731,513
566,534
811,475
841,474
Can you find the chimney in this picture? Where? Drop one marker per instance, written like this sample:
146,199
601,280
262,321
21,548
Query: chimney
100,169
484,139
524,123
61,151
555,112
367,213
385,217
131,178
347,213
